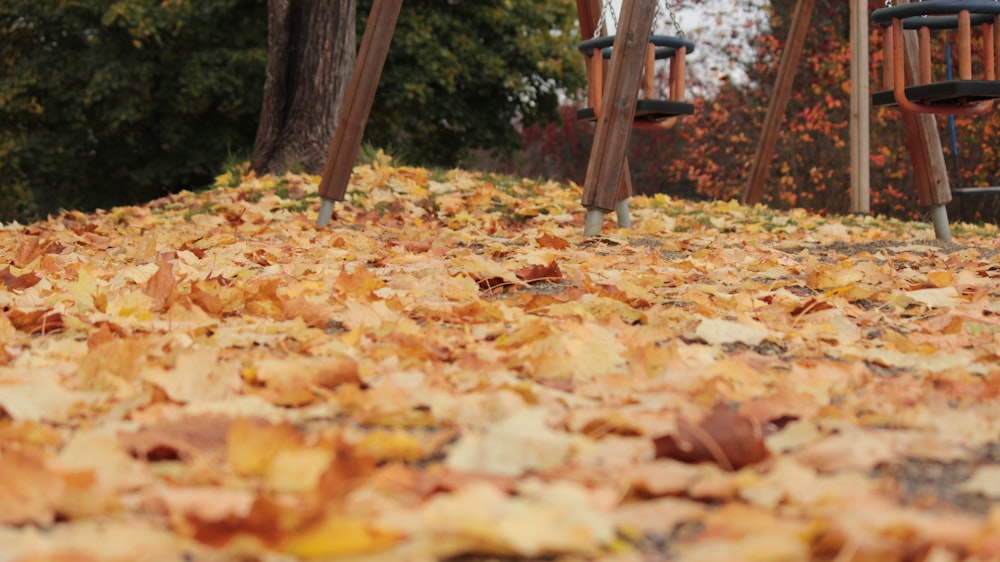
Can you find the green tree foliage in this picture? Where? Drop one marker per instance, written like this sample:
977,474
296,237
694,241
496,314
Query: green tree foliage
460,73
115,101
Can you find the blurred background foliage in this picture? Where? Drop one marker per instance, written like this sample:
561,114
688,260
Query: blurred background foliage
107,102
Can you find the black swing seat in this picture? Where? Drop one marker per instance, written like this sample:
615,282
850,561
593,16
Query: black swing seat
647,110
665,45
991,190
951,92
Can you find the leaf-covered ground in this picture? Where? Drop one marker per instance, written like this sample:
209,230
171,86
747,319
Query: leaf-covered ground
451,371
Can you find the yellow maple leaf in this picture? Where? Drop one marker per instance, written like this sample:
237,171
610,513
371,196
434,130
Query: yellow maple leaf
338,535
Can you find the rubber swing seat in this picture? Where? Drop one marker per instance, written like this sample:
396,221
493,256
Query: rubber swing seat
951,92
647,110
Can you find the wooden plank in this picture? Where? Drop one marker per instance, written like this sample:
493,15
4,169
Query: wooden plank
589,13
359,99
607,155
779,100
860,123
923,141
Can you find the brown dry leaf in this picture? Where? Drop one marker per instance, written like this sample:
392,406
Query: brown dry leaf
185,439
725,437
211,376
162,286
33,248
18,282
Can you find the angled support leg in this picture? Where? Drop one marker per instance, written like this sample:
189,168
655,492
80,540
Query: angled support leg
624,192
779,101
589,14
607,156
357,105
926,156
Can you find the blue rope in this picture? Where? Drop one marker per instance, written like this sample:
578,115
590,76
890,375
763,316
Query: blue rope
951,118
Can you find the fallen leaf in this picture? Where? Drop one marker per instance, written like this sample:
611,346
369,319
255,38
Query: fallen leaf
39,321
985,481
162,286
535,273
519,443
547,240
724,437
18,282
185,439
29,491
716,331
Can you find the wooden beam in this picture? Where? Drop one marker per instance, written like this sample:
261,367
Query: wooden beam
614,126
779,100
358,102
860,124
589,14
923,141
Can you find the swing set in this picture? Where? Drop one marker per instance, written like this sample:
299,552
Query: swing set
622,94
909,82
619,68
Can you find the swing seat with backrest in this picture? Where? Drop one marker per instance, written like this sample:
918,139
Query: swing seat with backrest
649,112
925,95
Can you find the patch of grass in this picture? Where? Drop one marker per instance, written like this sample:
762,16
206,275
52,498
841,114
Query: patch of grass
233,169
385,155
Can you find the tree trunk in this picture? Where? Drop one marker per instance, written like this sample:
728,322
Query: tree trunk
311,51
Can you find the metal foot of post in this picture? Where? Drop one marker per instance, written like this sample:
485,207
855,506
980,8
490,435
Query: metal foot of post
624,219
595,219
939,217
325,213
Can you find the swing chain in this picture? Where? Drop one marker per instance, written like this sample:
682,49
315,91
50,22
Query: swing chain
608,7
673,17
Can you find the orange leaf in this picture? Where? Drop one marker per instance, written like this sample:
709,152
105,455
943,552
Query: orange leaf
28,490
550,272
550,241
42,321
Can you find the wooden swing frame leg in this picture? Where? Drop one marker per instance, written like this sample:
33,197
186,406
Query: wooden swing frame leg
357,105
779,100
926,155
589,12
605,183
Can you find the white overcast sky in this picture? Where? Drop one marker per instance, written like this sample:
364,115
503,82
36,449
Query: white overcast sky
717,27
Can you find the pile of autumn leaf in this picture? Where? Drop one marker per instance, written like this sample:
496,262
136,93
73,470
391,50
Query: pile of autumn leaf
452,370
